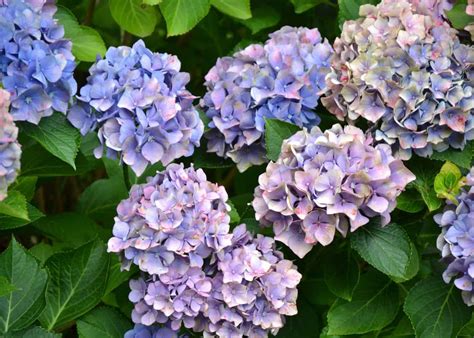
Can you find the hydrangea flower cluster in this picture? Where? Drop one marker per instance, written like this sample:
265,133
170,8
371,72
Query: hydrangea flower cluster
36,63
138,101
143,331
244,290
177,216
328,181
282,79
456,241
10,150
195,273
408,74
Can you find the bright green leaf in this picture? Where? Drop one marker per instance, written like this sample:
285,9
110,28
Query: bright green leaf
436,309
103,322
275,132
373,306
151,2
448,182
86,41
425,172
8,222
262,17
134,17
341,278
77,283
239,9
304,5
458,16
57,136
182,15
233,213
15,206
388,248
21,307
6,287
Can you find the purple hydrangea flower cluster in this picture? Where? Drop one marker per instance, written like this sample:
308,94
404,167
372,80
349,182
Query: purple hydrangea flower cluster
143,331
138,101
328,181
406,73
245,289
435,8
177,216
10,149
282,79
36,63
195,273
456,241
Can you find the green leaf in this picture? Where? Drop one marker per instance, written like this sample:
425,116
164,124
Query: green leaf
116,275
69,228
57,136
388,249
458,16
233,213
373,306
448,182
343,277
99,201
436,309
103,322
34,332
275,132
134,16
22,306
425,172
6,287
349,9
26,186
239,9
15,206
36,161
262,17
8,222
304,324
461,158
151,2
203,159
86,41
304,5
77,283
43,251
410,201
182,15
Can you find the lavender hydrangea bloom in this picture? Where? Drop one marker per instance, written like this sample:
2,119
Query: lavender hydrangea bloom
456,241
210,300
407,73
177,219
282,79
138,101
142,331
36,63
328,181
10,149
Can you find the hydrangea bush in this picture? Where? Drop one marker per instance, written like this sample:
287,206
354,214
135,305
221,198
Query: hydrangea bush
167,169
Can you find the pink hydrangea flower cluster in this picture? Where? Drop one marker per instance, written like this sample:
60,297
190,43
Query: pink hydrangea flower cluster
407,73
328,181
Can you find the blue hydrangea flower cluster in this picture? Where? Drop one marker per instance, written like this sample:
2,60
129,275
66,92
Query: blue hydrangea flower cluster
143,331
407,74
328,181
10,149
195,272
36,63
456,241
138,101
282,79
